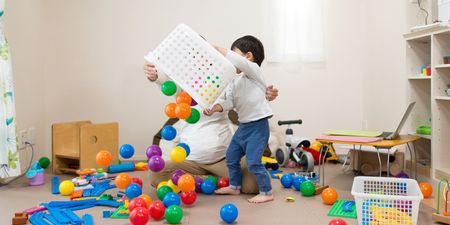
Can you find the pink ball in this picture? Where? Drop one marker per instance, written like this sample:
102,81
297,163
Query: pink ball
153,150
156,163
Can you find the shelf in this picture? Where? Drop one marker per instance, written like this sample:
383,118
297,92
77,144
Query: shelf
419,78
421,135
442,66
424,170
445,98
441,173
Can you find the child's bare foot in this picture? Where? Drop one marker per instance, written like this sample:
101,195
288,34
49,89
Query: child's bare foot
227,191
261,198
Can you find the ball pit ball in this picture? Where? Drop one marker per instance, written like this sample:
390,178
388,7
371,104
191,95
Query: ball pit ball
186,183
133,191
229,213
157,210
103,158
156,163
173,214
137,180
176,176
189,197
162,183
146,198
287,180
123,180
174,187
139,216
297,182
193,103
426,189
213,179
153,150
178,154
194,117
208,187
183,111
169,88
198,184
169,110
168,132
307,188
402,174
183,97
137,202
186,148
66,187
44,162
223,182
163,191
171,199
329,196
126,151
337,222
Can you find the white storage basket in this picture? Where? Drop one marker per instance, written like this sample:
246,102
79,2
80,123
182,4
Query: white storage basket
386,201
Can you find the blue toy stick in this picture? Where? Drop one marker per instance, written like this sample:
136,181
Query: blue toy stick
52,219
72,216
38,219
55,185
59,216
87,219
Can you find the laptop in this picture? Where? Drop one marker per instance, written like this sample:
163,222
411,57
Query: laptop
394,135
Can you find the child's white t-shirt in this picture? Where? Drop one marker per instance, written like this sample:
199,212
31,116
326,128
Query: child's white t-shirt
247,92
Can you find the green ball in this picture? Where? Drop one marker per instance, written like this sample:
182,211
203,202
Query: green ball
194,117
307,188
44,162
173,214
169,88
213,179
163,191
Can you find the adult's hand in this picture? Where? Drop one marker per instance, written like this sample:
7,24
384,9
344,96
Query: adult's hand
271,93
150,71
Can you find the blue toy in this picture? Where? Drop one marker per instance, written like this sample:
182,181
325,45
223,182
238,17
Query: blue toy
87,219
286,180
126,151
229,213
168,133
348,206
133,190
186,147
298,182
118,168
208,187
55,185
171,199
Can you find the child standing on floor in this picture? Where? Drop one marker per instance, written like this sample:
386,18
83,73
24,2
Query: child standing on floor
246,94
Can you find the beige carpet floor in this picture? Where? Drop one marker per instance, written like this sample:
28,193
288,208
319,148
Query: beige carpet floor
18,196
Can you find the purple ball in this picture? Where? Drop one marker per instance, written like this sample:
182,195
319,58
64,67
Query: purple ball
176,175
156,163
193,103
153,150
198,184
402,175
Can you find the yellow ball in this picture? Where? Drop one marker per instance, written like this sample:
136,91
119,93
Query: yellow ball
174,187
66,187
162,183
178,154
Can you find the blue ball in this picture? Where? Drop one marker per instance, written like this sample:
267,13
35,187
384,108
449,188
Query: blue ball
126,151
208,187
186,147
229,213
298,182
171,199
286,180
168,133
133,190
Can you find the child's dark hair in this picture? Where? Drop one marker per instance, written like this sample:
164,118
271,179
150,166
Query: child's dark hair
250,44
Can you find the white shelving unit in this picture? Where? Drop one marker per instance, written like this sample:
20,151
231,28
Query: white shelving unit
432,103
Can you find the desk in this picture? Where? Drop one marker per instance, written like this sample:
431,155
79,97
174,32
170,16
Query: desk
383,144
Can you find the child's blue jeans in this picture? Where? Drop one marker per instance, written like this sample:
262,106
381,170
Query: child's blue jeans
250,139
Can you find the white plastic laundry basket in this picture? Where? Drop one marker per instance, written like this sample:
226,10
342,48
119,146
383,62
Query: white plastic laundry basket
193,64
386,201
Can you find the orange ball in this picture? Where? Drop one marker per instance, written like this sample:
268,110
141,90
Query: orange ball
183,111
170,110
183,97
329,196
122,180
426,189
146,198
186,183
103,158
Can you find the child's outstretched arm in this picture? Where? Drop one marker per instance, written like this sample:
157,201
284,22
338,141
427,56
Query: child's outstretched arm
214,109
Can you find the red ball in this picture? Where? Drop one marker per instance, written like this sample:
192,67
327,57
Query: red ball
189,197
157,210
137,202
337,222
137,180
223,182
139,216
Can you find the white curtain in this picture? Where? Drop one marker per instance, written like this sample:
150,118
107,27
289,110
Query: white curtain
293,30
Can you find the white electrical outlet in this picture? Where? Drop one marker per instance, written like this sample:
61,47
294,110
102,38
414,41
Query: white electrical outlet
32,135
23,137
